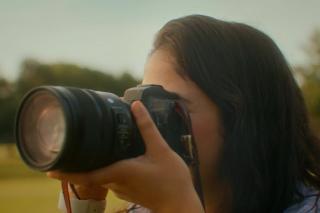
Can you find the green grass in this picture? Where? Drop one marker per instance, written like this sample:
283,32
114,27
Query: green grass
23,190
28,195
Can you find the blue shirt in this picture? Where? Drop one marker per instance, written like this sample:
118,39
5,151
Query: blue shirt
310,203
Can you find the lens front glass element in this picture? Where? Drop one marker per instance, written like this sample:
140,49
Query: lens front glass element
42,128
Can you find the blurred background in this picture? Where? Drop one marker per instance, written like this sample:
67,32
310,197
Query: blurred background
103,45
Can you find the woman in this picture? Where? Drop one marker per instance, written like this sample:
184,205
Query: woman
256,150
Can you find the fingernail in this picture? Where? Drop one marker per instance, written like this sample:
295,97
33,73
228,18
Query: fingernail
52,174
136,107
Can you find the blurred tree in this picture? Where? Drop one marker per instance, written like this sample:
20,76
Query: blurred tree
8,103
34,73
5,88
311,80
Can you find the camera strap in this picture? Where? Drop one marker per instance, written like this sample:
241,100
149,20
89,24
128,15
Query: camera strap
66,195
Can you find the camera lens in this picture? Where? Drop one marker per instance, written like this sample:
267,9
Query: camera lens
72,129
42,128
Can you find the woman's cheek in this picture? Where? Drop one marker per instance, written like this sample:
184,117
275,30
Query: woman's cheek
208,139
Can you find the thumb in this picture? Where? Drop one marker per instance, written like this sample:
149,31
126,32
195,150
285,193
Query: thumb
149,132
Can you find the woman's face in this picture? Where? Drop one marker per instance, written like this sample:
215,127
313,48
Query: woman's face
160,70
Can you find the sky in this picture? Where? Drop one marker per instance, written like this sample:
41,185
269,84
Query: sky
116,35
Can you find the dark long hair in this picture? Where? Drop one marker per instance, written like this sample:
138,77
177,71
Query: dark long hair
268,147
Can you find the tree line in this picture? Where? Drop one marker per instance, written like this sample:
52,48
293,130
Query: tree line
34,73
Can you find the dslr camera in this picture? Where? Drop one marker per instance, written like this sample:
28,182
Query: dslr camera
75,129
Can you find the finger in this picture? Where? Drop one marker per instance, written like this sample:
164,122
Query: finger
112,187
117,190
111,173
149,132
91,192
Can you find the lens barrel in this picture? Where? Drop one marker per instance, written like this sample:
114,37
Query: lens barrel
68,128
73,129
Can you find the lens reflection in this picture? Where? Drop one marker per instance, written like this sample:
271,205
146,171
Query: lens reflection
51,127
43,127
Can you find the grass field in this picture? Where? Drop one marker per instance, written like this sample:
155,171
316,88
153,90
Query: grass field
25,191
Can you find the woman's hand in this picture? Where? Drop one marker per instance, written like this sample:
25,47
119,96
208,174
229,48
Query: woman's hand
158,180
92,192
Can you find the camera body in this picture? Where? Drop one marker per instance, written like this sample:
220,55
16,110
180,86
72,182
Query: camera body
73,129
